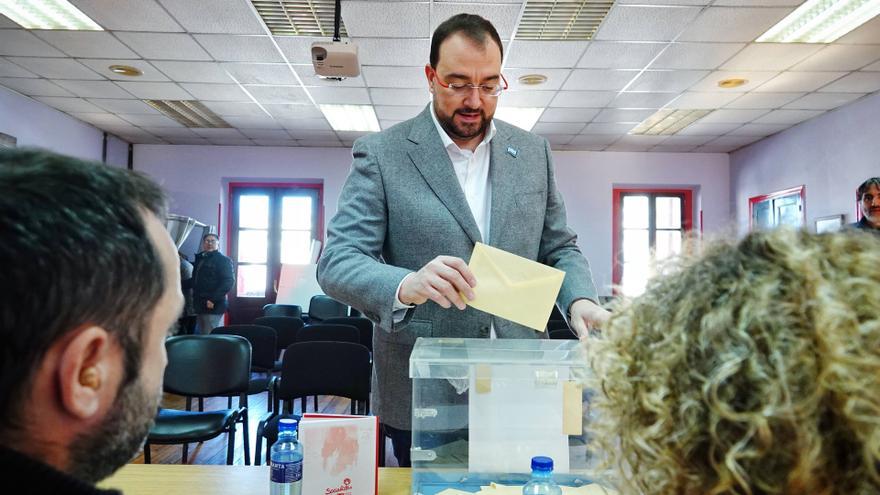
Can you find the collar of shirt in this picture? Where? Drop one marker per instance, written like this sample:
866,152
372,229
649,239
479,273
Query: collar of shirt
450,145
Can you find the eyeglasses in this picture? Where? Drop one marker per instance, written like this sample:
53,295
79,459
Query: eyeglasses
463,89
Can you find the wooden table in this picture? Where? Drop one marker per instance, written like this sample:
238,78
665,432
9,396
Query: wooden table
177,479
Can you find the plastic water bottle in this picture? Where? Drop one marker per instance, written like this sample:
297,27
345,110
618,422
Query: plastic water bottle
286,461
542,478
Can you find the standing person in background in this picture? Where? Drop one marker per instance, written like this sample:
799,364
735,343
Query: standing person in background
83,351
418,198
868,196
212,278
187,322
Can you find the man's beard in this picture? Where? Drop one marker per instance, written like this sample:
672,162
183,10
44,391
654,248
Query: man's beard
462,131
97,454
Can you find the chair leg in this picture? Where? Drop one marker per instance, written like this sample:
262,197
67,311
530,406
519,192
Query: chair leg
189,403
258,447
303,404
201,404
247,440
230,445
229,402
316,403
147,457
185,458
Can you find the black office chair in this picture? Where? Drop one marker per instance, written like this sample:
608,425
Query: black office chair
364,326
340,369
320,332
204,366
322,307
263,348
286,328
290,310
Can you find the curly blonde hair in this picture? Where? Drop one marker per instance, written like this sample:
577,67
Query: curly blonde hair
752,369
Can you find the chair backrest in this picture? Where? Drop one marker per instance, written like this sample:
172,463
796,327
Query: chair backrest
263,339
364,326
341,369
320,332
207,365
286,328
322,307
291,310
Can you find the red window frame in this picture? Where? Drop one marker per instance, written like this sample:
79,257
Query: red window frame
800,190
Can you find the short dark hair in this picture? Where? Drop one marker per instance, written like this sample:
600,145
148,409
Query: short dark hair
863,188
471,26
74,251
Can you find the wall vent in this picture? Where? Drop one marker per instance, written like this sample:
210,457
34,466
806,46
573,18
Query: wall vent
561,19
299,17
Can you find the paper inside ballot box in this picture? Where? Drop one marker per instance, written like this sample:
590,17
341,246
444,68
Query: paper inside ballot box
512,287
339,454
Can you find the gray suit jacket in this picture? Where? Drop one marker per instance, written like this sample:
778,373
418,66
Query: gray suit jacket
402,206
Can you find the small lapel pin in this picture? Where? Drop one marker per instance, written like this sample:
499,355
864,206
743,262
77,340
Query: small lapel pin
511,151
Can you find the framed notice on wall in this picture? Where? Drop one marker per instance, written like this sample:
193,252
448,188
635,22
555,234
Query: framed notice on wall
786,207
831,223
7,141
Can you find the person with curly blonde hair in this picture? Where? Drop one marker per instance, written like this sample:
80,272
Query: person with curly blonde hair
752,369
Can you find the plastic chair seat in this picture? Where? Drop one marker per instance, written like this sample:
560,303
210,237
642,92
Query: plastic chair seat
175,426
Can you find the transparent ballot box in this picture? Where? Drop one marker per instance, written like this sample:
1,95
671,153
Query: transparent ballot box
482,408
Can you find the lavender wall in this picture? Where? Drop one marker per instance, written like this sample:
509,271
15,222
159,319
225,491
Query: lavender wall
36,124
197,179
831,155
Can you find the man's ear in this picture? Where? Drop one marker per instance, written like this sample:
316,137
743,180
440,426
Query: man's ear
86,364
429,74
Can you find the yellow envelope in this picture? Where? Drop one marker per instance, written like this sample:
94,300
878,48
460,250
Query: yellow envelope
512,287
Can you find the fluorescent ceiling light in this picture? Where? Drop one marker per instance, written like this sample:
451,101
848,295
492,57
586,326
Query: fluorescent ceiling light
351,117
522,117
821,21
668,121
47,14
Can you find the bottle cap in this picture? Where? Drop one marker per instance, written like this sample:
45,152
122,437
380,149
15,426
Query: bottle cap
287,424
542,463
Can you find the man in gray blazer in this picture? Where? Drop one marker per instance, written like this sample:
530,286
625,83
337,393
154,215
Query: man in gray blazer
418,197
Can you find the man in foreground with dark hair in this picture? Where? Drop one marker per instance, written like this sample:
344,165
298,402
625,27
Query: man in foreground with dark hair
868,196
91,287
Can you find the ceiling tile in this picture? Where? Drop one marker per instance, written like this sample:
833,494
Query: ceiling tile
867,33
100,119
840,57
214,16
34,87
219,133
732,116
672,148
857,82
102,66
298,49
582,99
372,19
607,128
679,140
798,81
758,3
732,24
599,79
619,115
24,44
758,129
352,96
128,15
69,104
124,106
200,72
764,100
229,48
247,124
385,124
7,23
215,92
266,134
166,46
87,44
568,114
196,141
397,113
695,55
527,98
734,141
823,101
390,51
787,116
642,100
754,79
8,69
643,23
352,135
504,16
555,78
557,139
699,100
558,127
391,96
278,94
598,139
276,142
770,56
170,132
156,90
297,111
305,125
308,77
231,142
659,81
313,134
96,89
150,120
636,140
544,54
873,67
320,144
274,74
240,109
57,68
619,55
699,128
394,77
663,2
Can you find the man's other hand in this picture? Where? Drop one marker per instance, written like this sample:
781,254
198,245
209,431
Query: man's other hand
587,315
441,280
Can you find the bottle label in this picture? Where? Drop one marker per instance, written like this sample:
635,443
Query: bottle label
286,472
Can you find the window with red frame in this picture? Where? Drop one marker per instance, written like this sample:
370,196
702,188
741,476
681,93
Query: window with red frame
649,226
